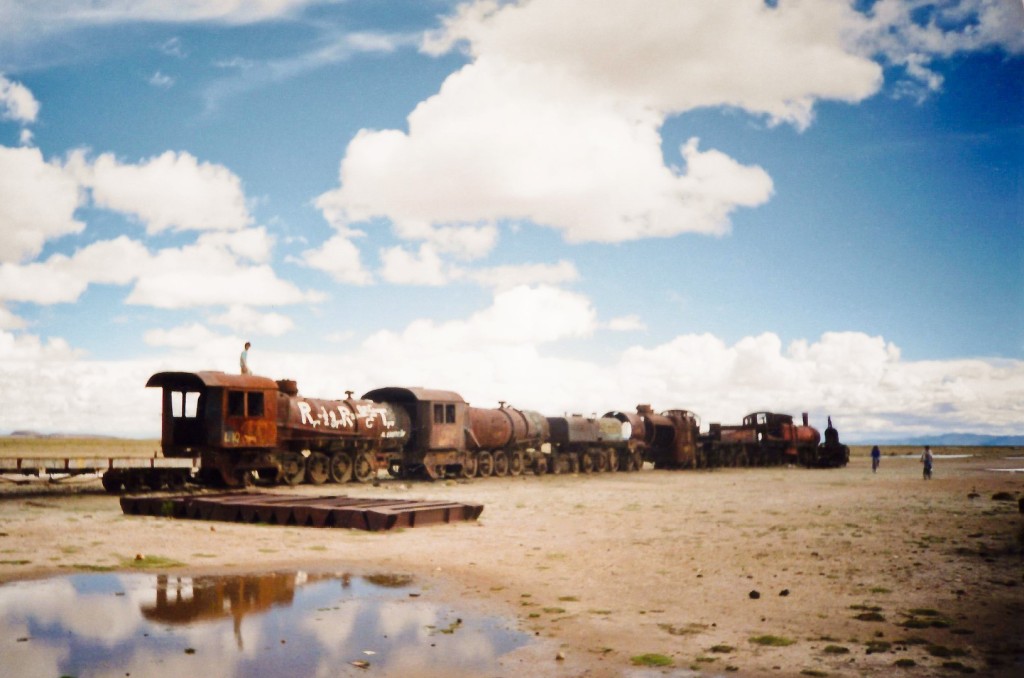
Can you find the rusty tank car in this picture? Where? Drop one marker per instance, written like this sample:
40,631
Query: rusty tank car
451,438
247,428
590,444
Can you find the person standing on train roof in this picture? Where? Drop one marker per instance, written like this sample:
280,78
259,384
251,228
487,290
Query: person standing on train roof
243,360
876,458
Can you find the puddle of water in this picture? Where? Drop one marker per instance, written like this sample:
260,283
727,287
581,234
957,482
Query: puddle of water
278,624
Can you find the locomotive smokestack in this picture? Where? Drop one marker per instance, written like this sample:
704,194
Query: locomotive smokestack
805,419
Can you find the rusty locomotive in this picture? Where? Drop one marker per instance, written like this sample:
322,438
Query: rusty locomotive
245,429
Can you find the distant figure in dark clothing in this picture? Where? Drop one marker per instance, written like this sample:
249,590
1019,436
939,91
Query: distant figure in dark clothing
927,459
876,458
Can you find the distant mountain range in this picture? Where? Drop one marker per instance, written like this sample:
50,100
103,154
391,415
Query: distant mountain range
950,439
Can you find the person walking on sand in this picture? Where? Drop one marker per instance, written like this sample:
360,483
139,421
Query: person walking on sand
876,458
243,360
927,459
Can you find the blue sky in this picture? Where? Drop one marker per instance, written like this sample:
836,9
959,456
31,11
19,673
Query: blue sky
725,207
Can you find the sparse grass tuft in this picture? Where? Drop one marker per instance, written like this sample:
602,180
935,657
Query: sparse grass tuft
651,660
150,562
772,641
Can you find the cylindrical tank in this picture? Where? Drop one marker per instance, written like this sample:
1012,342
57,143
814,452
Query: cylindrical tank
503,427
489,429
300,417
528,427
632,425
578,429
738,435
806,435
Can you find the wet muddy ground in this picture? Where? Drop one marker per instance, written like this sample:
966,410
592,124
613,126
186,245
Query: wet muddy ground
750,572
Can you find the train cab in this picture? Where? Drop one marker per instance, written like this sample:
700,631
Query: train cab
206,411
438,420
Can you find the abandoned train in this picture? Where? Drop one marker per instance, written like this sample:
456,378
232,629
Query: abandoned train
248,428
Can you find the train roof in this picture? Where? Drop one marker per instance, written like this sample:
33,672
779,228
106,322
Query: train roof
405,394
208,379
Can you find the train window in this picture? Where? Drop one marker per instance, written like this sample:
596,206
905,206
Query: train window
449,414
236,404
184,404
191,404
255,405
438,414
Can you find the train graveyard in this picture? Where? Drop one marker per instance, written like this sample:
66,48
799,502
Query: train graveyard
746,571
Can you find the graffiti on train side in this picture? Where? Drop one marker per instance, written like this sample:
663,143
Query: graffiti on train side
341,417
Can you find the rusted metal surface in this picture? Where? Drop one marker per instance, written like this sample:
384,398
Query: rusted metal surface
329,511
487,429
576,429
195,381
438,417
301,418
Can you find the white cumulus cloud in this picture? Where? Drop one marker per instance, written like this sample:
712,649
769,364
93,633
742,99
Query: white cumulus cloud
17,102
515,349
244,320
171,191
38,200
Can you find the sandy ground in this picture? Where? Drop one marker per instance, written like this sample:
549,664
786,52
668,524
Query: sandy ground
605,568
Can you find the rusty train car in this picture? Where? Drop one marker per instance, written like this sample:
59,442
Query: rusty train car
247,429
672,440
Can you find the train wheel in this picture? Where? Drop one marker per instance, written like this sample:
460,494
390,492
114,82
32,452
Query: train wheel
556,466
613,461
395,469
318,468
485,464
540,467
500,463
515,463
637,459
111,482
363,470
293,468
601,462
341,467
586,462
469,465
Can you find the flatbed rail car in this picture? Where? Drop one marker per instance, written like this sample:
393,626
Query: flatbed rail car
130,473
